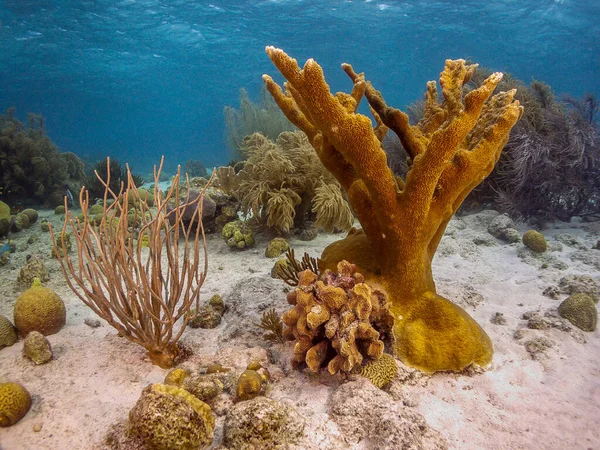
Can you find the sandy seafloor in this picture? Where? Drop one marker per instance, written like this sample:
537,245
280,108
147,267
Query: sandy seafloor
529,400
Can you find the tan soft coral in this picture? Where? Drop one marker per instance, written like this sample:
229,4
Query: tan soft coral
282,182
452,149
334,318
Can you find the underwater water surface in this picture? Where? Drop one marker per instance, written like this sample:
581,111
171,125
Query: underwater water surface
137,79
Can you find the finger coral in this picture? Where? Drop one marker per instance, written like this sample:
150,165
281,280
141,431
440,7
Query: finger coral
333,320
451,150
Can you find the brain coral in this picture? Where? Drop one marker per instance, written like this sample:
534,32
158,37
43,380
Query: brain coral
580,310
169,417
15,401
381,371
535,241
39,309
8,335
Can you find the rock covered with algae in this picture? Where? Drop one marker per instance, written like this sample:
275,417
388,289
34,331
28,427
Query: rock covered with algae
169,417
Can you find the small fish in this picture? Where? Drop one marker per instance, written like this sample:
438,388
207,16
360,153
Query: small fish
69,196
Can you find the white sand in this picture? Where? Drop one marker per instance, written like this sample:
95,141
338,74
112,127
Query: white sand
551,402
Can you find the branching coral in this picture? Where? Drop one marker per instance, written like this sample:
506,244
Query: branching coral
283,182
452,150
31,167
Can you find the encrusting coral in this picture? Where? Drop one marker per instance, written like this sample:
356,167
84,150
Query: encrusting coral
332,320
283,183
452,149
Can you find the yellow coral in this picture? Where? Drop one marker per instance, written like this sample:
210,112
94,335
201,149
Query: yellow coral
15,401
381,371
452,150
39,309
170,417
249,385
535,241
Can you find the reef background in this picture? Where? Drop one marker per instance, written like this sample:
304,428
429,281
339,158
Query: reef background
139,79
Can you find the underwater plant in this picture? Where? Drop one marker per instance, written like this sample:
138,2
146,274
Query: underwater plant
550,167
32,170
452,149
264,117
144,293
283,184
271,323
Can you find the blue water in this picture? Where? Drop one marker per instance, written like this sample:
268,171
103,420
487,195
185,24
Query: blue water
136,79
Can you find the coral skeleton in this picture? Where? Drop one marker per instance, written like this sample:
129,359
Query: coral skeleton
452,149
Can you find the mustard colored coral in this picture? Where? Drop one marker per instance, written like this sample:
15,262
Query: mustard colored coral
39,309
380,371
332,320
169,417
451,150
15,401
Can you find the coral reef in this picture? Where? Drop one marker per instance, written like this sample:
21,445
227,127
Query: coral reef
39,309
333,320
168,417
32,170
262,423
549,168
8,333
37,348
452,150
15,402
283,183
580,310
